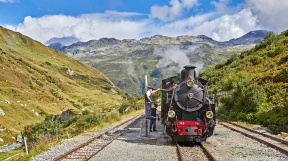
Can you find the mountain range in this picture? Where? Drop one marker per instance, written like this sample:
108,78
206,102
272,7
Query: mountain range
126,62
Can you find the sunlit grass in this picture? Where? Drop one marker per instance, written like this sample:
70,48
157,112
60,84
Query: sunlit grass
259,79
34,84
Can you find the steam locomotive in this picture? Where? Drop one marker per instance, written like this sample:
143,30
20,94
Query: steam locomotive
187,111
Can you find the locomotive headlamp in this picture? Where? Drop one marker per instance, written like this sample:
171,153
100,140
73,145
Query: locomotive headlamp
209,114
171,113
190,82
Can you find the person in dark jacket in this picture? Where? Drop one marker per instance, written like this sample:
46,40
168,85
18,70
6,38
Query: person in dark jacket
154,115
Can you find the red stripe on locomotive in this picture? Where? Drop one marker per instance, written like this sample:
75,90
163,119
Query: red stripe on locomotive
190,128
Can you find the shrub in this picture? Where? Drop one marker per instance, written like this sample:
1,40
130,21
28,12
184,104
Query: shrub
93,119
229,82
233,58
268,39
241,116
283,60
251,118
285,33
246,99
48,63
86,112
256,59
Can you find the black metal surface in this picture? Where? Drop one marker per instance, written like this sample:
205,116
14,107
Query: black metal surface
186,103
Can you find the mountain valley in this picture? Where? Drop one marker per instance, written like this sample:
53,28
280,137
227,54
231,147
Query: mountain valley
126,62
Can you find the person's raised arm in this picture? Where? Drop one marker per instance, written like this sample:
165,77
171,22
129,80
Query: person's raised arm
156,90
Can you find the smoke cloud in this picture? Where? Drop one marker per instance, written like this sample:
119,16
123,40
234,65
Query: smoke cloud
173,59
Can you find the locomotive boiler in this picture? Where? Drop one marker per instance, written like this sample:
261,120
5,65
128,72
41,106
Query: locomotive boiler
187,111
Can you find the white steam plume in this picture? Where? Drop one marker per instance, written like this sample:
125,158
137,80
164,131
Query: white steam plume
174,59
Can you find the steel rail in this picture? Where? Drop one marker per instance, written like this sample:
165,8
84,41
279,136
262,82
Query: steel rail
282,150
207,153
180,154
263,134
63,156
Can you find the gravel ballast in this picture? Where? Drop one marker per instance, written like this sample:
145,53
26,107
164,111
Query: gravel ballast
132,146
226,145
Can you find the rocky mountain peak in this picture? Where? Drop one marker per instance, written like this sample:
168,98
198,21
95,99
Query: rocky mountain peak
62,41
249,38
205,38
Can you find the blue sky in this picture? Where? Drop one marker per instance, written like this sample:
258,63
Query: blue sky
134,19
15,11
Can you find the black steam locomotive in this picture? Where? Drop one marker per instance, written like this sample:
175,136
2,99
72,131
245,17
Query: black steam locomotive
187,111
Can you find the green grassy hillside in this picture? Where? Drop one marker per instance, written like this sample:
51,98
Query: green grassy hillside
36,81
258,79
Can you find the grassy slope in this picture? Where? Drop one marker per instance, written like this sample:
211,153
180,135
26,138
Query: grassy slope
259,79
34,83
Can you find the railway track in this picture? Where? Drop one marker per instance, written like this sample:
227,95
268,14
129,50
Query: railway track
208,154
263,138
94,145
209,151
194,152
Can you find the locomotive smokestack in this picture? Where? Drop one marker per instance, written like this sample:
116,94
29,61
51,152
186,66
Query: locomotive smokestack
189,71
182,74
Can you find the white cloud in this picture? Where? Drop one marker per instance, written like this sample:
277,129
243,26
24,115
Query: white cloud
84,27
7,1
220,25
227,27
119,25
221,6
222,28
271,14
182,27
166,13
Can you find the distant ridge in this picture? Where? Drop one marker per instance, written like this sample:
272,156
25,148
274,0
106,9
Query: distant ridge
126,61
63,41
252,37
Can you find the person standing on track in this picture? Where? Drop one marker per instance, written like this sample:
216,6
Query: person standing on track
148,101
